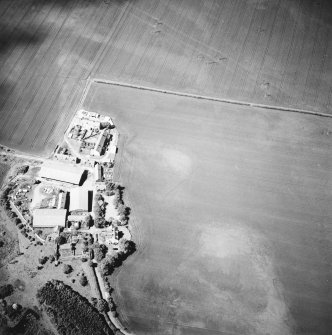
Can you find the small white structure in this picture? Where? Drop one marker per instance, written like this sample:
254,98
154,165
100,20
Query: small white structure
61,172
49,218
79,199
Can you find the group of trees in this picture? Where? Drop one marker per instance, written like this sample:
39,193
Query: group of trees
4,202
112,261
6,290
100,250
99,211
123,211
118,202
71,313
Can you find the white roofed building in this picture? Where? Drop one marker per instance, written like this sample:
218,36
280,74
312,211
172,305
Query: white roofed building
79,199
61,172
49,218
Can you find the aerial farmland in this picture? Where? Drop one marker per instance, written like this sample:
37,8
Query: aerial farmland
223,145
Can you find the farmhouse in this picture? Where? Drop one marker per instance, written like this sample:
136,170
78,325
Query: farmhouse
49,218
79,199
61,172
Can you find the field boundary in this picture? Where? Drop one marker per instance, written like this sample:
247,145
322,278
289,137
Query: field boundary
209,98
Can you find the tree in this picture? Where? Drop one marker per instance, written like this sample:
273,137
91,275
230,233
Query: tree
99,222
91,263
43,260
83,280
67,268
87,221
127,246
102,306
60,240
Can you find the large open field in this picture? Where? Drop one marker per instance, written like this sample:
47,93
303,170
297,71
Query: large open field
268,51
231,213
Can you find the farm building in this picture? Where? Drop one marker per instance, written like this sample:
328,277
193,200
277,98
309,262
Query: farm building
49,218
99,146
61,172
79,199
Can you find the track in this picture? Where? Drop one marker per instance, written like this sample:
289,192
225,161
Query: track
203,97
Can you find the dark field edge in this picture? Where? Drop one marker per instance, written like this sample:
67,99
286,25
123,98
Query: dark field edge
204,97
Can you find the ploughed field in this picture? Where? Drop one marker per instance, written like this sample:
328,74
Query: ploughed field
270,52
231,215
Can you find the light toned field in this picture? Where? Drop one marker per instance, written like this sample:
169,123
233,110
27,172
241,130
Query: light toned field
231,214
266,51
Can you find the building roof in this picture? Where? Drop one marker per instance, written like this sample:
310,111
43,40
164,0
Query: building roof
79,199
100,142
62,172
48,218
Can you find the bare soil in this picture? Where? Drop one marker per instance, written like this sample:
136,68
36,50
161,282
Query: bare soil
231,209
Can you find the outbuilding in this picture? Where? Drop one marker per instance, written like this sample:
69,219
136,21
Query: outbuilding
49,218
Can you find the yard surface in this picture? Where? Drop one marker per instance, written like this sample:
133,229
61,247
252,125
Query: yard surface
231,216
263,51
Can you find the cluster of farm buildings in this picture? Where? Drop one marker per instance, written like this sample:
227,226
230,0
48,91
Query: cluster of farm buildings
67,183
